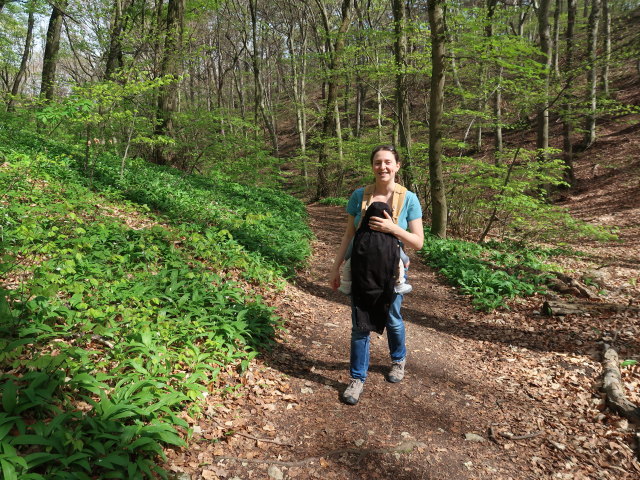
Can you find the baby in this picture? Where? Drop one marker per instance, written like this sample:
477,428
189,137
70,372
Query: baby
401,286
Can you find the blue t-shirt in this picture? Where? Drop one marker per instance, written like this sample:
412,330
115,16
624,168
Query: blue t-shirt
411,209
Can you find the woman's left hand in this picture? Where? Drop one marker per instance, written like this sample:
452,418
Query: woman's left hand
384,225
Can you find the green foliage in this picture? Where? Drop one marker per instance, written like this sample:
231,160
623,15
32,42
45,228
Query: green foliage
334,201
270,224
109,331
490,273
224,147
263,220
512,194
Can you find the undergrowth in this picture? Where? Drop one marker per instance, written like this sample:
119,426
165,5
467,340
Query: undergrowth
334,201
107,332
492,272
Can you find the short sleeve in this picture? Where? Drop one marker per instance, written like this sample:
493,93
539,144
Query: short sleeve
414,210
355,202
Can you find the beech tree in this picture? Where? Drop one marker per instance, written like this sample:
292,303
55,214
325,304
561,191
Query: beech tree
51,49
542,141
17,81
436,177
170,65
567,107
403,120
592,73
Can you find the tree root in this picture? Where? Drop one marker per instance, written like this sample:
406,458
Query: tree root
612,387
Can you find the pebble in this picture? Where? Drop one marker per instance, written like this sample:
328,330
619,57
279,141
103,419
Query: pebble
473,437
275,473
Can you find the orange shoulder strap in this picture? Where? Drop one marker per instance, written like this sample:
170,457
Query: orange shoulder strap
366,201
397,203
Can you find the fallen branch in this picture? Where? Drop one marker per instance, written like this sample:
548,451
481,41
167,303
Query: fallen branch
94,338
511,436
404,447
556,307
612,386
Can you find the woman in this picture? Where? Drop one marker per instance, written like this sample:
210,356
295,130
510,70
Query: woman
385,163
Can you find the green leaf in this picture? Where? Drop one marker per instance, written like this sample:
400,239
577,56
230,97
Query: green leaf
39,458
8,470
9,396
32,440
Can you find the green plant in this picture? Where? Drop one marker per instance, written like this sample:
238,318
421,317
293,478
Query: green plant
334,201
111,330
490,273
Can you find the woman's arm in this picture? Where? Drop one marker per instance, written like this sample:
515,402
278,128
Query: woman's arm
414,238
349,232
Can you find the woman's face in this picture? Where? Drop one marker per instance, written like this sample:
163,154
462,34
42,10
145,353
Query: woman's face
385,166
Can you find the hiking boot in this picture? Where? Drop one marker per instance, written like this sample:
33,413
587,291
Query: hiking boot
402,288
397,371
351,395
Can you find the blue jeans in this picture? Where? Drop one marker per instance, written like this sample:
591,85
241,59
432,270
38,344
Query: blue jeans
360,341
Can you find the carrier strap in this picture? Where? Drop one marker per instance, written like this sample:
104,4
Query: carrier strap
397,202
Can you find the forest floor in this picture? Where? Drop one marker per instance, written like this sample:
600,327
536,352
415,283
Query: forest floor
525,386
503,395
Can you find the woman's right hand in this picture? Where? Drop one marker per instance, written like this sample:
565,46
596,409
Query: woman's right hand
334,279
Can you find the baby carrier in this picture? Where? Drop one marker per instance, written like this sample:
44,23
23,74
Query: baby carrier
374,267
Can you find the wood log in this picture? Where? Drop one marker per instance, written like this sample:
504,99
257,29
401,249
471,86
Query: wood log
557,307
613,387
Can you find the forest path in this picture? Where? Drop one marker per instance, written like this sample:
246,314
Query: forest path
505,374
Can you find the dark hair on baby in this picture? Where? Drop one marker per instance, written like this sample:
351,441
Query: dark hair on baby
387,148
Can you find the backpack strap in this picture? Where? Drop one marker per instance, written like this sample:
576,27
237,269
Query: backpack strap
397,202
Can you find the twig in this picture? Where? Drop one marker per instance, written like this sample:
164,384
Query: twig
492,435
94,337
268,440
511,436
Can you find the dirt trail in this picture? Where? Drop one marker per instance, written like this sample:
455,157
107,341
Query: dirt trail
524,385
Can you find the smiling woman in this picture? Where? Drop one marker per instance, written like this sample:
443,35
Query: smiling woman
408,230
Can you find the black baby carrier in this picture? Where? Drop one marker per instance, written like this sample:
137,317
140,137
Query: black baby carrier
374,271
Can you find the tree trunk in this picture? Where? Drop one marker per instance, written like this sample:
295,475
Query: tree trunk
259,105
497,114
361,95
555,64
542,141
328,123
15,89
592,77
51,49
167,95
522,16
297,86
497,105
436,103
567,121
402,100
606,31
114,54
